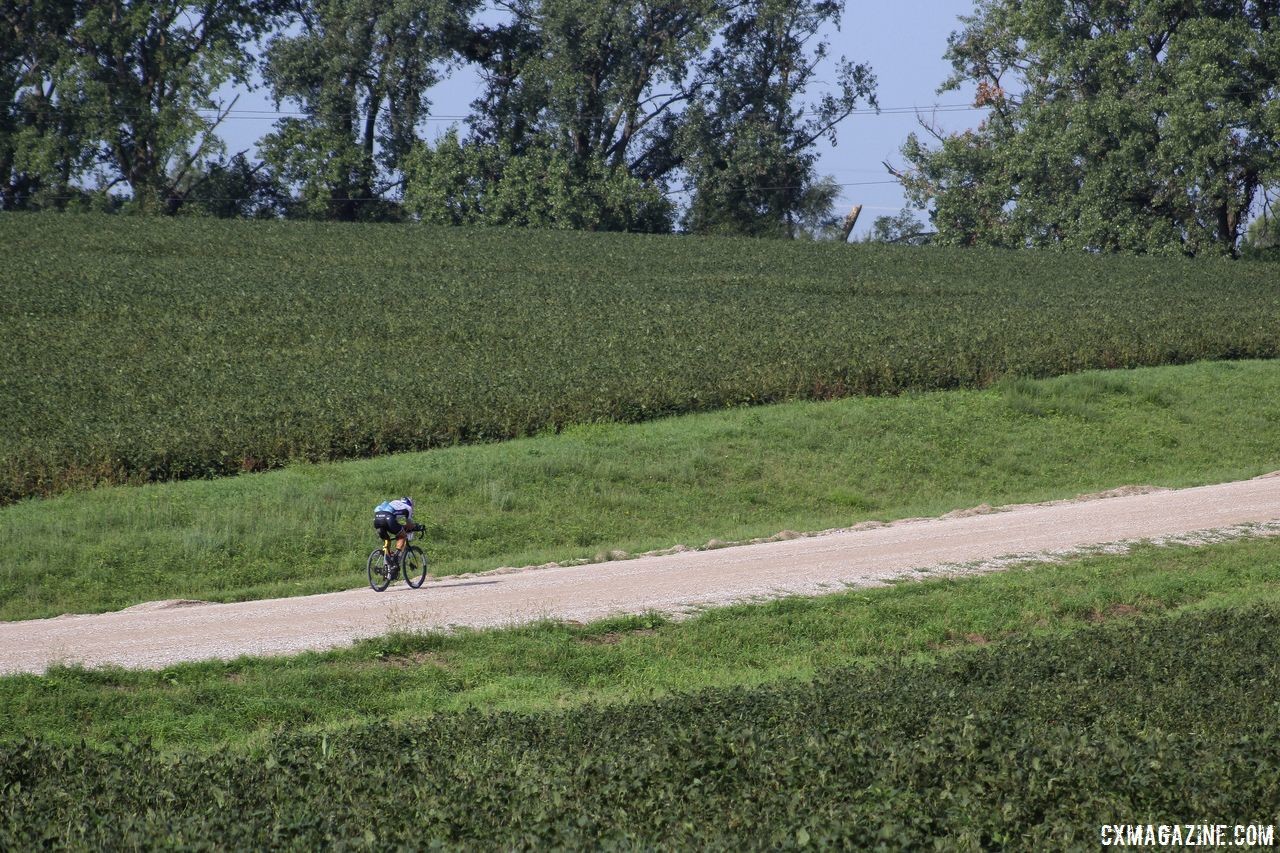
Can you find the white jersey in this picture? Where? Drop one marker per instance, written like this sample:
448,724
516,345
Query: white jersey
399,508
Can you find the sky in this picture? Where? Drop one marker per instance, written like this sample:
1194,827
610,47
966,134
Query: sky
903,44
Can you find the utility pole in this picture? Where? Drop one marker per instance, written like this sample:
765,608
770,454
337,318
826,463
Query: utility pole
850,221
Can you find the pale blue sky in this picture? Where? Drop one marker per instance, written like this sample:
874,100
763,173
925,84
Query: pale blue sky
903,43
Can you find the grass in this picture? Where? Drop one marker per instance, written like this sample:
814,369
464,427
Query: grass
140,349
402,677
594,489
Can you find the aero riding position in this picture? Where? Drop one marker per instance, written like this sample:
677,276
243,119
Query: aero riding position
394,521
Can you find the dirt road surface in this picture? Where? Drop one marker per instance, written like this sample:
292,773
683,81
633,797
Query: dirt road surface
156,635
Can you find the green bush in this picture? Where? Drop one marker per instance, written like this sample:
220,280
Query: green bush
1027,744
151,350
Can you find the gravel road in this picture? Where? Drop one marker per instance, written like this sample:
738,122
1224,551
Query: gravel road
161,633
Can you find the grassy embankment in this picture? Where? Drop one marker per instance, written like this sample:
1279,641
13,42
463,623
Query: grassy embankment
139,349
580,494
1031,743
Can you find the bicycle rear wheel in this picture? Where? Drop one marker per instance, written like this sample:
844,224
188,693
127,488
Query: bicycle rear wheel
414,566
379,571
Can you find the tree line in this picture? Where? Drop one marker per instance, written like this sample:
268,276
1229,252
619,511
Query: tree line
1148,126
589,115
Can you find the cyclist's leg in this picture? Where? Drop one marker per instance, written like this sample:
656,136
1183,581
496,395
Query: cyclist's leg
387,533
402,534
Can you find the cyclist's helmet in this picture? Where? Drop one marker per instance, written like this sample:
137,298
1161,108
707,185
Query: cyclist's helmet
408,500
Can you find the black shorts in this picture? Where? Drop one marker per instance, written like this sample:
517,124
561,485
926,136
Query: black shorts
387,524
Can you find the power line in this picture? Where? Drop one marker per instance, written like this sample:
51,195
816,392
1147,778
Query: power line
269,115
795,186
936,108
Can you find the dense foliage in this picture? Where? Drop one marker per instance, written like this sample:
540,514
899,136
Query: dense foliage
590,114
360,71
116,92
1262,240
748,152
1027,744
143,350
469,183
1146,126
115,105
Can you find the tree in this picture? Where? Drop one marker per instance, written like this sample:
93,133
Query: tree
146,72
449,183
746,144
903,227
453,183
610,103
599,82
43,145
1146,126
359,70
235,189
1262,240
575,124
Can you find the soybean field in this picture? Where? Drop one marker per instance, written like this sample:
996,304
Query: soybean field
139,350
1032,742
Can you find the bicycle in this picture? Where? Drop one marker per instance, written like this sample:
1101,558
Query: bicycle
387,563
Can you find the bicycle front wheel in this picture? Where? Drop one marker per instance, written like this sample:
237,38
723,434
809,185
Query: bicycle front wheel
379,571
415,566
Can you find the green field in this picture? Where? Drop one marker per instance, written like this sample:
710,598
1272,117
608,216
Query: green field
214,705
168,349
1030,743
144,360
595,489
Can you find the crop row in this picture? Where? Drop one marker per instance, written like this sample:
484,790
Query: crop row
140,350
1028,744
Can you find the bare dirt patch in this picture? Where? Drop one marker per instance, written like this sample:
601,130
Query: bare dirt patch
167,604
980,509
1119,492
612,638
1113,611
955,640
411,660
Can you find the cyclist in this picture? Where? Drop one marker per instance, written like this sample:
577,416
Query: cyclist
395,518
